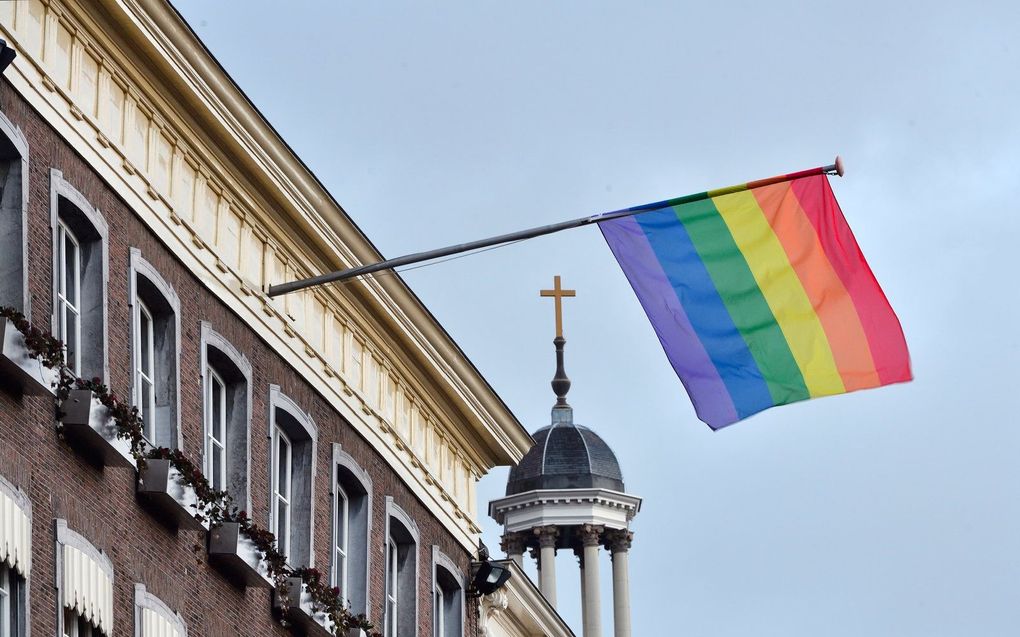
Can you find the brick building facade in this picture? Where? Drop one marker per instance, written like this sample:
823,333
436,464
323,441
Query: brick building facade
412,421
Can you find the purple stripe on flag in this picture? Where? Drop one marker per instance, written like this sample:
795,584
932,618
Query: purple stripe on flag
683,348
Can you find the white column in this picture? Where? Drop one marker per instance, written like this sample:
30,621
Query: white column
590,539
547,559
619,544
579,552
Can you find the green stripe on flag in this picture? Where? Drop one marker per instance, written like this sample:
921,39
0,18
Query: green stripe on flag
743,299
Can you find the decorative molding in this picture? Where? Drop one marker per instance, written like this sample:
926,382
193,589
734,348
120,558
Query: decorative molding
547,536
618,541
591,534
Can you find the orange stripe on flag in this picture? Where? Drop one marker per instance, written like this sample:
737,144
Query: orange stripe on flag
826,292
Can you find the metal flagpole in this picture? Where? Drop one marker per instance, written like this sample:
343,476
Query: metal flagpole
417,257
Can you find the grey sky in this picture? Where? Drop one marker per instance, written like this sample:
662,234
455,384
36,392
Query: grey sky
888,512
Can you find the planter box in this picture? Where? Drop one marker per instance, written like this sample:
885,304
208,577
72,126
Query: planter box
299,610
19,370
89,428
235,556
356,632
161,493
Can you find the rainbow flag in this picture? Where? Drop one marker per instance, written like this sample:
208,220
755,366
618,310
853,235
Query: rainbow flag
760,296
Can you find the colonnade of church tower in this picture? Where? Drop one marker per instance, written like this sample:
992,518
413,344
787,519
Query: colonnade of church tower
568,494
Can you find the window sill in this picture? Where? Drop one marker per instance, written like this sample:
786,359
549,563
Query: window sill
162,494
20,371
89,428
236,557
299,611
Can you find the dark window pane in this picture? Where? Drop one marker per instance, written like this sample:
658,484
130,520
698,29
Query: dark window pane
217,463
145,337
71,339
282,475
70,276
282,527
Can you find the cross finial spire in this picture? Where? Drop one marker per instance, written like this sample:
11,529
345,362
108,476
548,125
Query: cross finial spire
558,293
560,382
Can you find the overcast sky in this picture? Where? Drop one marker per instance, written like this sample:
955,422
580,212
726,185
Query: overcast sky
893,511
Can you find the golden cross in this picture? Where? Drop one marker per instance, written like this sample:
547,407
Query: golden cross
558,293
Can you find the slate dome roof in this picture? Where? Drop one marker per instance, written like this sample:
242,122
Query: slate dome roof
566,456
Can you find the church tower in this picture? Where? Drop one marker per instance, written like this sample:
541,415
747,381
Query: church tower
568,494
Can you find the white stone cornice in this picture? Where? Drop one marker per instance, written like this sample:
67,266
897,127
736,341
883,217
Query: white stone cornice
565,507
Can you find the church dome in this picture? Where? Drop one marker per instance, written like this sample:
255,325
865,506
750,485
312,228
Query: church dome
566,456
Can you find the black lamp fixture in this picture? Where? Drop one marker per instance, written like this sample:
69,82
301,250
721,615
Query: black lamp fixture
7,55
487,576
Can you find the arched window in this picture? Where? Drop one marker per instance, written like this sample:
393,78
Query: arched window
79,278
447,596
292,436
155,310
226,398
84,586
400,612
153,618
15,559
352,519
13,214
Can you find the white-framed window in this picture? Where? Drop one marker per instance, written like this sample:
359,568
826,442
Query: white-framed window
351,533
153,618
341,533
401,587
392,586
6,601
13,215
216,429
13,613
11,599
15,559
226,415
145,386
282,464
447,596
292,434
84,586
69,300
80,274
155,354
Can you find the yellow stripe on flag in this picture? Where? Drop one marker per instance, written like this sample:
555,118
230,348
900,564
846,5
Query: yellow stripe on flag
782,290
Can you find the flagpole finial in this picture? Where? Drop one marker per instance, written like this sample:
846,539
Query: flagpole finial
839,165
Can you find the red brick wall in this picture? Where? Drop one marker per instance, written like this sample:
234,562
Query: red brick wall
100,503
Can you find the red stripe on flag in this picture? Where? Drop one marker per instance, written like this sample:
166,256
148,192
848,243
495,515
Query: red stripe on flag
883,330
